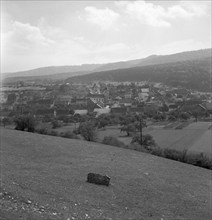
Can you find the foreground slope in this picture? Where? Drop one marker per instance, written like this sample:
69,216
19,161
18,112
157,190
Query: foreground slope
44,177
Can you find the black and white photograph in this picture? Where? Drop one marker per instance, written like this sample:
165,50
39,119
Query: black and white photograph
106,110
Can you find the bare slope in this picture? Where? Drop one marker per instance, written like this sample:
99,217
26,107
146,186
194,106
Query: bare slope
43,177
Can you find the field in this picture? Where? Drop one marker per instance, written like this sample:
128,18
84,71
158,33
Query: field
44,177
195,137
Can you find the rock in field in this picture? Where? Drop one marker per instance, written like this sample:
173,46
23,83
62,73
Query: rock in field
98,179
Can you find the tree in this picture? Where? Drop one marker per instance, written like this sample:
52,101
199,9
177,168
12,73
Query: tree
128,128
25,122
102,123
56,124
184,116
5,121
11,98
147,140
88,131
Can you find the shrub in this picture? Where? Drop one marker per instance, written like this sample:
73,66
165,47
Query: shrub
157,151
69,134
42,128
56,124
199,160
113,141
53,133
175,154
5,121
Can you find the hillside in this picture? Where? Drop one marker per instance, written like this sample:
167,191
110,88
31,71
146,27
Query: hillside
52,70
158,59
44,177
64,72
194,74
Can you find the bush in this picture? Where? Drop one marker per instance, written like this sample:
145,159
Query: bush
69,134
42,128
195,159
157,151
175,154
199,160
56,124
53,133
113,141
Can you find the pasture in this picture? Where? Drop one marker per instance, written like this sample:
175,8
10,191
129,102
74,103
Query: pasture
194,137
44,177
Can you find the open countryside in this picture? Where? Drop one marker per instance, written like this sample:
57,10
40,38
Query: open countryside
106,110
44,177
194,136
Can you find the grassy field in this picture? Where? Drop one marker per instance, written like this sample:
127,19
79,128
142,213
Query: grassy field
195,137
44,177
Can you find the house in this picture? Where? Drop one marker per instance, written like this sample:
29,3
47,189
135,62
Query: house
144,94
3,97
92,104
128,95
207,107
100,111
81,111
63,99
79,101
172,106
125,102
96,97
136,110
46,102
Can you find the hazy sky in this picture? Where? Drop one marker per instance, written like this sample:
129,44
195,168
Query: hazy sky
46,33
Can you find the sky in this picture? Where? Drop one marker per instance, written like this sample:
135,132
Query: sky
52,33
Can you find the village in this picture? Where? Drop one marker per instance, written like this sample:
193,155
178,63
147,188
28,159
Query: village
68,99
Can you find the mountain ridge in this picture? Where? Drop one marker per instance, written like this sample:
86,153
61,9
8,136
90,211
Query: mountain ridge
83,69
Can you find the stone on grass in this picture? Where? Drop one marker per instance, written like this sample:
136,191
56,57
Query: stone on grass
98,179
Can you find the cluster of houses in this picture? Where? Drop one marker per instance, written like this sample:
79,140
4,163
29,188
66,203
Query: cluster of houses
102,98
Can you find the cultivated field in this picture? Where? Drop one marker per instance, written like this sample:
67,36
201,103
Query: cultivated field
195,137
44,177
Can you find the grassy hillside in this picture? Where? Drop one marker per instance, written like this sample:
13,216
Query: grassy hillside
44,177
193,74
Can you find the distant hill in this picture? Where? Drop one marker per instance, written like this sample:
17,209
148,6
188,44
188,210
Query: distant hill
193,74
52,70
157,59
64,72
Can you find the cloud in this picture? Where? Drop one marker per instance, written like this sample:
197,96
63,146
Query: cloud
24,37
105,18
158,16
